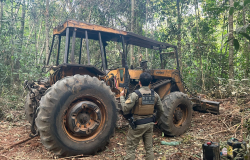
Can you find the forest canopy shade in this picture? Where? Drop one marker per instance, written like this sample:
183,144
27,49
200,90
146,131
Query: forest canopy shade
108,34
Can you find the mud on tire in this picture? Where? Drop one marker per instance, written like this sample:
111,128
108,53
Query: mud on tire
28,108
77,116
177,115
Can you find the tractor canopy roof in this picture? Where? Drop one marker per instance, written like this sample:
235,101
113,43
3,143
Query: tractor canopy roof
108,34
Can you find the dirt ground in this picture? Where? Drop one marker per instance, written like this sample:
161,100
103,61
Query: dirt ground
16,144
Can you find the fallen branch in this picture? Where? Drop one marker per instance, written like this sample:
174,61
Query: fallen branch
236,130
225,123
15,144
226,130
214,119
200,137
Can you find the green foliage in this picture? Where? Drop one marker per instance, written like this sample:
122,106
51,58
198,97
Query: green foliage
202,27
246,2
245,35
236,44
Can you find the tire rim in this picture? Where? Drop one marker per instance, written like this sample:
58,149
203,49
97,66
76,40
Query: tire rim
180,115
84,119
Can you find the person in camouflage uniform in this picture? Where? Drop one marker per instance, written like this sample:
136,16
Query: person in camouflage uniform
141,104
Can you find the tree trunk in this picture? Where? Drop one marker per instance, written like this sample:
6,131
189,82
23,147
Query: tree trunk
231,46
223,67
147,3
19,49
247,62
12,41
246,51
22,22
41,52
179,34
132,30
47,30
38,42
197,16
70,7
1,15
222,39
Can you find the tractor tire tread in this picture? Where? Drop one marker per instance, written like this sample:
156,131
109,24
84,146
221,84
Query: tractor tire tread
49,100
28,108
170,102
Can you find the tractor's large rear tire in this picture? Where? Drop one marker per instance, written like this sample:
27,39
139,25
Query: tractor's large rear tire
77,116
177,115
28,107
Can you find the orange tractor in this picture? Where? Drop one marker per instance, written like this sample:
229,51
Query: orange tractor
75,110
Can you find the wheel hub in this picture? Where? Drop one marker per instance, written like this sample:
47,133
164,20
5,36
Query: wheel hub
84,118
178,114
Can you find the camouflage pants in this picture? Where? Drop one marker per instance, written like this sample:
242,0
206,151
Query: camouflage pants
144,131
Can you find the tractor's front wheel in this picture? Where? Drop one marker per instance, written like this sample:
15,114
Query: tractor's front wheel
77,116
177,115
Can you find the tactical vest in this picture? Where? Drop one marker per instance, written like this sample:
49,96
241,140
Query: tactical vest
145,104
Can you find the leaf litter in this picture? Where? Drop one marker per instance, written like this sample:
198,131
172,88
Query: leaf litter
205,127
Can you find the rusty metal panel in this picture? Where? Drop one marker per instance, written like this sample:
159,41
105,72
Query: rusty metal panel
109,34
135,74
116,75
177,78
161,73
163,90
57,73
205,105
82,25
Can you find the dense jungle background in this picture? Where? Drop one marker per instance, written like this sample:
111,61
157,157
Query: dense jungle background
212,39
